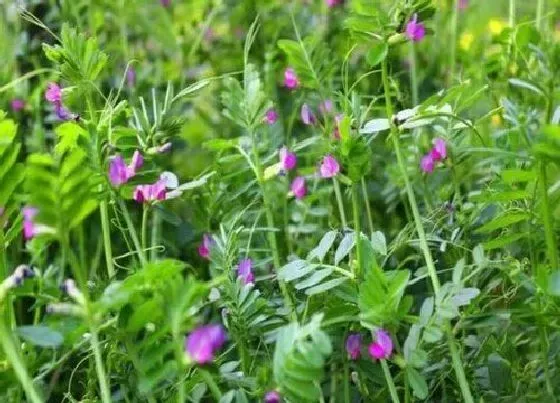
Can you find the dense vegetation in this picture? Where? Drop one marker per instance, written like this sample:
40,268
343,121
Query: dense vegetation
263,200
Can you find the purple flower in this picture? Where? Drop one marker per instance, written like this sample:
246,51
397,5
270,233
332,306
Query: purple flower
439,151
333,3
244,271
288,160
382,347
29,228
353,345
16,278
326,107
202,343
427,163
307,115
298,187
415,31
131,76
329,167
165,3
272,397
291,80
204,247
120,173
166,147
17,104
463,4
62,113
336,132
150,193
271,116
53,94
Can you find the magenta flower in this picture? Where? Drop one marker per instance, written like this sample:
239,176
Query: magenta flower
203,343
382,347
120,173
427,163
272,397
17,104
29,228
205,245
415,31
307,115
165,3
244,271
288,160
333,3
298,187
439,151
353,345
150,193
271,116
291,80
463,4
326,107
53,94
329,167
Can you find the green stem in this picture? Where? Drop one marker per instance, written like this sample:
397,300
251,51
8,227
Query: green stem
100,370
212,385
457,364
539,17
14,358
132,232
156,229
453,40
413,73
390,383
145,211
357,229
552,250
346,381
366,202
338,195
106,230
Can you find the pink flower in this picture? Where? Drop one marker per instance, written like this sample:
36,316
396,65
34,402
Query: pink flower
336,132
150,193
53,94
439,151
204,247
272,397
120,173
271,116
131,76
415,31
298,187
382,347
17,104
333,3
463,4
244,271
307,115
29,227
288,160
203,343
329,167
353,345
165,3
291,80
427,163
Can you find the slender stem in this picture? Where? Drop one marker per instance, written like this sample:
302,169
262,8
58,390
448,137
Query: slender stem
413,73
539,17
551,247
458,367
271,234
181,392
212,385
390,383
338,195
14,358
357,229
457,364
156,229
366,202
145,211
132,232
100,370
106,230
453,44
346,381
511,23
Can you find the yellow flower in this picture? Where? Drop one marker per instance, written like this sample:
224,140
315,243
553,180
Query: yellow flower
496,26
496,120
466,40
